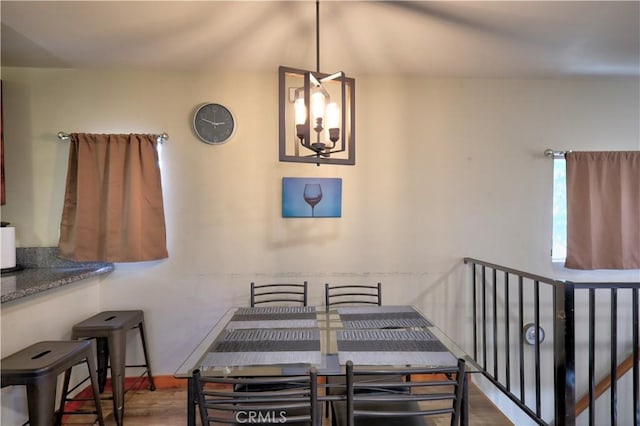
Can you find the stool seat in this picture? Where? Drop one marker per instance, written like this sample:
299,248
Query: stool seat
38,366
100,325
110,328
48,357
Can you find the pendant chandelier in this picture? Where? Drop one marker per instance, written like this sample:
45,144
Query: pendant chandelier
316,114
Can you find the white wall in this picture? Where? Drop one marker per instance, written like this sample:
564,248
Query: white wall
446,168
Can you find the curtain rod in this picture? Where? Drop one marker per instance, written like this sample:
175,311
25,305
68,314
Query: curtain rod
160,138
555,154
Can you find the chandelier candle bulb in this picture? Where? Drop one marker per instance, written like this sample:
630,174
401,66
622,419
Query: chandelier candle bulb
333,114
300,111
317,109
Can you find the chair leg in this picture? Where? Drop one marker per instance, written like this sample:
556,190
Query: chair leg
143,334
464,409
191,402
333,416
102,347
95,388
117,352
63,400
41,398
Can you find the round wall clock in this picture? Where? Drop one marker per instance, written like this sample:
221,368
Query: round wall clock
213,123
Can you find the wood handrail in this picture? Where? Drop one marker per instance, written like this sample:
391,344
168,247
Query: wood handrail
605,384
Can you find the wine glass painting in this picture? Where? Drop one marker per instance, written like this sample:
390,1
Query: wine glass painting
311,197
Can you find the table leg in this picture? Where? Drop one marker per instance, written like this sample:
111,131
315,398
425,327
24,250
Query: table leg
191,403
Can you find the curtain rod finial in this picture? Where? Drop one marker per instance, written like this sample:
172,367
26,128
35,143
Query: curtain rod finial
555,154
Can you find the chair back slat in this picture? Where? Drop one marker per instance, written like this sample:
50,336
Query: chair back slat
352,294
429,392
281,294
225,400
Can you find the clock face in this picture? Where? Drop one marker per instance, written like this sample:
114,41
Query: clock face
530,334
213,123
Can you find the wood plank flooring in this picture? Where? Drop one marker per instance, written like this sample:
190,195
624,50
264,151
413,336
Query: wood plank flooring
167,407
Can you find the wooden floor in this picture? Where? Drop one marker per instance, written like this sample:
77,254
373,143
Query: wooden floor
167,407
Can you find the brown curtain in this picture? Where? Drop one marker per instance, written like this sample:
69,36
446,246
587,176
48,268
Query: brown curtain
2,190
113,208
603,210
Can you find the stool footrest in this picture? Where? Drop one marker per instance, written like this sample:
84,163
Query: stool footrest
133,366
79,384
79,399
102,398
79,412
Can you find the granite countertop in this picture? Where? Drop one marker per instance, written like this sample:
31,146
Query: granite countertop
44,270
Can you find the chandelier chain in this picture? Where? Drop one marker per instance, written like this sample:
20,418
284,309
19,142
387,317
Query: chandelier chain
317,36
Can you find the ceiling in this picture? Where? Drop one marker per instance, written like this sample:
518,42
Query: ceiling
408,38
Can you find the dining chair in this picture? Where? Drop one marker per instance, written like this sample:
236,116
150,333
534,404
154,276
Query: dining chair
352,294
290,294
294,399
434,392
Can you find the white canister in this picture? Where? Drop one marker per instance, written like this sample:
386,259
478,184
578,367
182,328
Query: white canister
8,253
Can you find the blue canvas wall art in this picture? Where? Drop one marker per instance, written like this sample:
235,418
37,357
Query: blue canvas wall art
311,197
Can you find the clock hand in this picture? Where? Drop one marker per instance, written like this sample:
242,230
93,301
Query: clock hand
208,121
217,124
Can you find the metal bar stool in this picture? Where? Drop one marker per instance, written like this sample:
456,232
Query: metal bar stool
109,328
38,366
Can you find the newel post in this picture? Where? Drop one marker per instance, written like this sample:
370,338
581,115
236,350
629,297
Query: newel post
564,353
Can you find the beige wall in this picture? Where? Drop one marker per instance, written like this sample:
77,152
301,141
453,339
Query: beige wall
446,168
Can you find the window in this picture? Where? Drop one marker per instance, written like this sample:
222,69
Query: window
559,235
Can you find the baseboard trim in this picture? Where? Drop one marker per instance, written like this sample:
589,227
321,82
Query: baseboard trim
169,382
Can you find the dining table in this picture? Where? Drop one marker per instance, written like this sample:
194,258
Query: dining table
288,340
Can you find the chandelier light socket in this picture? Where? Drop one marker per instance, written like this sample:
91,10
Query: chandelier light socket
318,147
300,132
334,135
